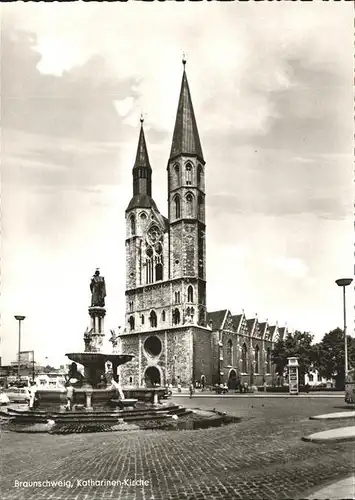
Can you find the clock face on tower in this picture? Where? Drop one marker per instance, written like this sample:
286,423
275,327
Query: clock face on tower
153,234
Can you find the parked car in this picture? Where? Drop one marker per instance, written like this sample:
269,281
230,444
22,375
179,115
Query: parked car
4,399
18,394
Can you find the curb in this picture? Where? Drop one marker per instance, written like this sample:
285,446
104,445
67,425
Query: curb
328,440
339,435
335,416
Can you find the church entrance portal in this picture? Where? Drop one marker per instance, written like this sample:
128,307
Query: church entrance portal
152,376
232,380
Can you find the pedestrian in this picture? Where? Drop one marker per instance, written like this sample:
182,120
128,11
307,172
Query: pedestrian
179,387
191,389
70,397
265,384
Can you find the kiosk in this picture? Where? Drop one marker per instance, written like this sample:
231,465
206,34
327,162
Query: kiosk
292,365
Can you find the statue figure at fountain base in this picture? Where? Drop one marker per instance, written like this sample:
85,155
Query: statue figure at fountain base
74,378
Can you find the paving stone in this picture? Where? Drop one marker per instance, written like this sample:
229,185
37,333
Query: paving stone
263,457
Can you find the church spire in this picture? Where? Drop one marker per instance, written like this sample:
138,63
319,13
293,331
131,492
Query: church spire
142,158
185,138
142,171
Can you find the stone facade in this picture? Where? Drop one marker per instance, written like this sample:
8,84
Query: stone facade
167,327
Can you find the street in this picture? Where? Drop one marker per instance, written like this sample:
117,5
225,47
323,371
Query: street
262,457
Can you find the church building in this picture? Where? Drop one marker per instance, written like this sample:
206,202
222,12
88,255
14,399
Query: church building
167,327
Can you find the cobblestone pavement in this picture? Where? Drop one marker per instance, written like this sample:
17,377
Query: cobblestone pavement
262,457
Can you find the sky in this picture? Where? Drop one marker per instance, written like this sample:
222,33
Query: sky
273,99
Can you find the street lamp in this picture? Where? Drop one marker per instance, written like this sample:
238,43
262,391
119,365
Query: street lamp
343,282
19,319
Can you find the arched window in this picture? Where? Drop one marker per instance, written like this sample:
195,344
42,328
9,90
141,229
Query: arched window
177,206
189,174
176,316
143,216
131,323
199,176
159,272
257,359
149,265
190,293
229,352
176,174
200,207
244,359
268,360
133,225
189,205
163,315
153,319
177,297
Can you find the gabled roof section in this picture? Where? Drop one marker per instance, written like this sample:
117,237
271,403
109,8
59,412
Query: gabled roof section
272,330
217,318
263,328
251,325
237,320
282,332
185,138
162,221
142,158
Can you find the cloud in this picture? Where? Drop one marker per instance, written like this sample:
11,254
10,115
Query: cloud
272,94
292,267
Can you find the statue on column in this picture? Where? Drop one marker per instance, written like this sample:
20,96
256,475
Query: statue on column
88,338
98,290
114,340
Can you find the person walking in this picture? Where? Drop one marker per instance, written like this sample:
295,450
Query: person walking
191,389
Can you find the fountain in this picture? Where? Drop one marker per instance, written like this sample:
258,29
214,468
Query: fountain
95,401
98,386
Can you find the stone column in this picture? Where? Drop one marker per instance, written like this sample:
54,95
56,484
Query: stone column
88,394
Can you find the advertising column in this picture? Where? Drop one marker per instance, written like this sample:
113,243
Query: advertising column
292,364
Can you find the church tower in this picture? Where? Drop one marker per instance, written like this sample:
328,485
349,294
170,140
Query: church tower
186,198
165,319
146,245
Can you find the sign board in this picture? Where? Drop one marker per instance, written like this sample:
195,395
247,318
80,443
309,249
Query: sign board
26,358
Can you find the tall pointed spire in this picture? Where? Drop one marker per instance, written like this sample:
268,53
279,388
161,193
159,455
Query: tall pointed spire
185,138
142,158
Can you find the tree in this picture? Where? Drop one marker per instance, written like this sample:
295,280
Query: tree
48,369
330,360
295,344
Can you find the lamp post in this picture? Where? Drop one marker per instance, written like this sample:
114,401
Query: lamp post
19,319
344,282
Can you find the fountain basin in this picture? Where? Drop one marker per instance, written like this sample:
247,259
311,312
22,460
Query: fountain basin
101,399
98,358
94,363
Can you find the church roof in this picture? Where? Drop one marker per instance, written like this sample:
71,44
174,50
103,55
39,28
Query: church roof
217,318
237,320
250,325
185,138
262,327
282,331
142,158
142,201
